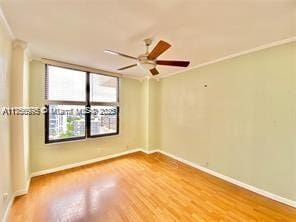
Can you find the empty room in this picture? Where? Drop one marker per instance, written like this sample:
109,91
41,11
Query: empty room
126,110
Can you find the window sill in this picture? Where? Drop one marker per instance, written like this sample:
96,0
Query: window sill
82,139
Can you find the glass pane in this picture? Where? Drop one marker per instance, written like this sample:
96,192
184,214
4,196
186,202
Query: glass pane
103,88
103,120
66,84
66,121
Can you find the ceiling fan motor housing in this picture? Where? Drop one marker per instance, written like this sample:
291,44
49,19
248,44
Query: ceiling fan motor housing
146,63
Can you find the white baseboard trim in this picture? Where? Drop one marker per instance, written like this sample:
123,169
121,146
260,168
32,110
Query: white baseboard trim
197,166
20,192
7,211
151,151
65,167
25,190
230,180
16,193
73,165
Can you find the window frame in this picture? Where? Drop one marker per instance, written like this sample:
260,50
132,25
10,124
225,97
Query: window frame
87,105
116,104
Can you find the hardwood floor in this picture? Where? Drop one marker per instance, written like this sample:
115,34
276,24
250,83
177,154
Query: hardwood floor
140,187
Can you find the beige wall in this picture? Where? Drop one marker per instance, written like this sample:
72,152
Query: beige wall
153,114
14,144
55,155
26,129
243,124
5,169
19,123
150,104
145,114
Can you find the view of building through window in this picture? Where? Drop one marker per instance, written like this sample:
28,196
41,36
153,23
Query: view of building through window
66,121
103,120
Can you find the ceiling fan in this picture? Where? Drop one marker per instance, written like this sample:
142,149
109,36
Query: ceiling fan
148,60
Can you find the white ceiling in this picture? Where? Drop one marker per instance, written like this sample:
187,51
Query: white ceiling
78,31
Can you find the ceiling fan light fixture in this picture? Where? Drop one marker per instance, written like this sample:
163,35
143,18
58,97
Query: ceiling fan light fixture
145,63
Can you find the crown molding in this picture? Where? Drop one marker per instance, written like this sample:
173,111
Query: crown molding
231,56
19,43
139,78
5,24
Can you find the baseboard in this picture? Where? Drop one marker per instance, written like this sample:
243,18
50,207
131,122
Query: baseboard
25,190
86,162
16,193
7,211
65,167
197,166
150,151
230,180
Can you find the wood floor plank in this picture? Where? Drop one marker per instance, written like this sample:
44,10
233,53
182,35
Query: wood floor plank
141,187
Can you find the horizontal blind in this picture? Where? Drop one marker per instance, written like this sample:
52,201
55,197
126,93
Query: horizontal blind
65,84
46,83
103,88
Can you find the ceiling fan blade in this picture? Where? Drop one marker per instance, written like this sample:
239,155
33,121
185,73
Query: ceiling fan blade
127,67
119,53
154,71
160,48
173,63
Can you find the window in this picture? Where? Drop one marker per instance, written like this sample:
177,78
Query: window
103,120
80,104
103,104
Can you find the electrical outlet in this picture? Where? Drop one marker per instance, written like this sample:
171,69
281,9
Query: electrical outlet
5,196
206,164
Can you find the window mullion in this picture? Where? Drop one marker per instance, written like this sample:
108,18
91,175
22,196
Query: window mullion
104,103
88,106
60,102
